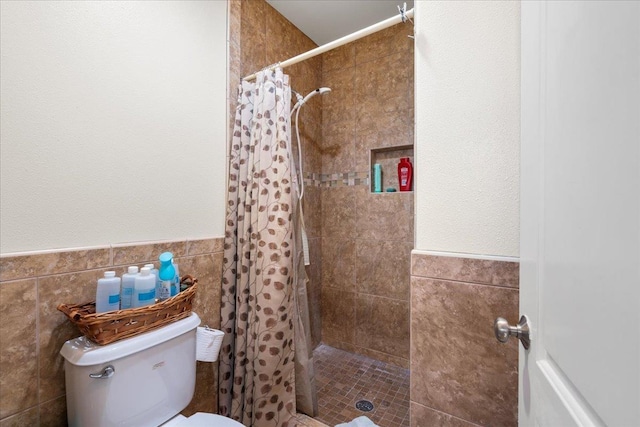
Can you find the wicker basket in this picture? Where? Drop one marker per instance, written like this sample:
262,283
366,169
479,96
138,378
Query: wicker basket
105,328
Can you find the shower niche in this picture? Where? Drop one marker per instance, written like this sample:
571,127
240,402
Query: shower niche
388,159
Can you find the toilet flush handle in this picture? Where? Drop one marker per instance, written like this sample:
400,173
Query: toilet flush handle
106,373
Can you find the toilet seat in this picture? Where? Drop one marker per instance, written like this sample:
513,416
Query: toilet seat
202,419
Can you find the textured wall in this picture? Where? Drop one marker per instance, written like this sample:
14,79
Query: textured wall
32,389
367,238
468,127
113,122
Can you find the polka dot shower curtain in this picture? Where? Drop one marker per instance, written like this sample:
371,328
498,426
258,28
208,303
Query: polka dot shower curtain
258,303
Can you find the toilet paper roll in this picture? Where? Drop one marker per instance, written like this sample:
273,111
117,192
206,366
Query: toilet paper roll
208,343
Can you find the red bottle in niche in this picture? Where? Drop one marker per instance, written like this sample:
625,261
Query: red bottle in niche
405,174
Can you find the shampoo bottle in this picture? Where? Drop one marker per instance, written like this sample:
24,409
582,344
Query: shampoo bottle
128,283
377,178
167,275
108,293
144,289
405,174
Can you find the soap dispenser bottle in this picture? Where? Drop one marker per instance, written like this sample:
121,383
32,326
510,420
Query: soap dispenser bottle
167,275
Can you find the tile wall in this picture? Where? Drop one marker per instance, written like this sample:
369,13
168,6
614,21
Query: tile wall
32,330
460,374
367,238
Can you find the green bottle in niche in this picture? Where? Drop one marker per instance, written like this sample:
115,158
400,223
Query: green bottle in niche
377,178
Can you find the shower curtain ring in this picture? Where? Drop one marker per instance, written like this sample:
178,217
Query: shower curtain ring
271,67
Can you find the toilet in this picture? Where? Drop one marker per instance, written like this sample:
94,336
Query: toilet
145,380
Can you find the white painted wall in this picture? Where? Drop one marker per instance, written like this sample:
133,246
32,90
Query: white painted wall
467,83
113,122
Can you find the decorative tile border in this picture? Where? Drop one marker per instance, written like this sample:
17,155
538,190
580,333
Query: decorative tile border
482,270
313,179
333,180
43,263
15,266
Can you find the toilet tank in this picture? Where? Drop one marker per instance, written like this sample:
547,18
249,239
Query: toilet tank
153,377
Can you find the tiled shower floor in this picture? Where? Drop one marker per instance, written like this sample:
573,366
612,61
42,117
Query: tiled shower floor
343,378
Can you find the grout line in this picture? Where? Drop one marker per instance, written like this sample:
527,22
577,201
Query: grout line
447,414
461,282
366,294
463,255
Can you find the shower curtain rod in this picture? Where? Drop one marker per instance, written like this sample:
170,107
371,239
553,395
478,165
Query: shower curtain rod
401,17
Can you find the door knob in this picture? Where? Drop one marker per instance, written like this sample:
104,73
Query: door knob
503,331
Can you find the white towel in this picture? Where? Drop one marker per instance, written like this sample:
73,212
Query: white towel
359,422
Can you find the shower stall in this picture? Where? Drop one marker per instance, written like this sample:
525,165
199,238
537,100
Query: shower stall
357,243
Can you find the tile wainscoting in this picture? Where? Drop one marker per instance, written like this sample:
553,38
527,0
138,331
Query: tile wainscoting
460,374
32,330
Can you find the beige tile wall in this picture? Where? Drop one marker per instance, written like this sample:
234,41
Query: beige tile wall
460,374
32,330
367,238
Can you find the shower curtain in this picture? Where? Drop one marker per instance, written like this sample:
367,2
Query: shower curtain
265,342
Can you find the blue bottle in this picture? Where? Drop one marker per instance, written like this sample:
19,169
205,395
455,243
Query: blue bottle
166,274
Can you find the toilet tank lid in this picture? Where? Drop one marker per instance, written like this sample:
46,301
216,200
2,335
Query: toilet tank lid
83,352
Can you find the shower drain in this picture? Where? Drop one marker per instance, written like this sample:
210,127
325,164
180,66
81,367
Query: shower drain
364,405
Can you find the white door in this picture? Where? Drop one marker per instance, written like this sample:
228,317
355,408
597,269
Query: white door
580,213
